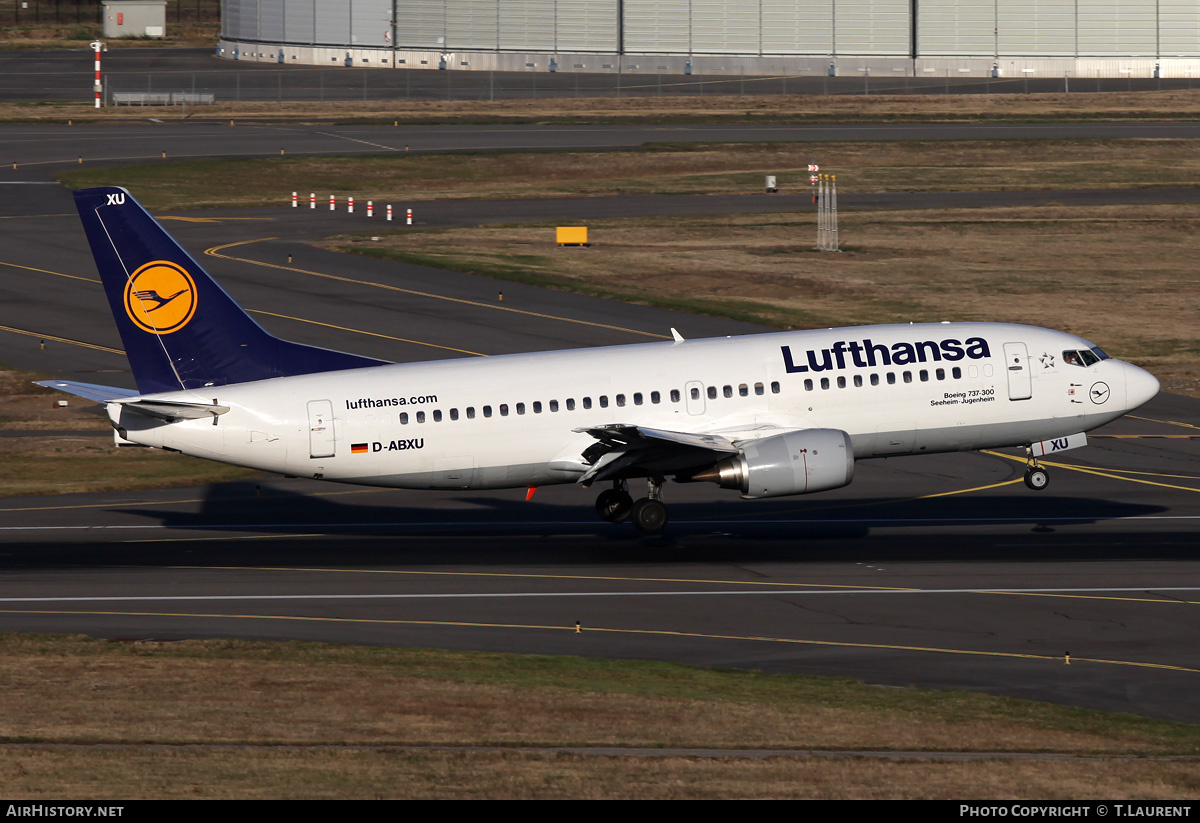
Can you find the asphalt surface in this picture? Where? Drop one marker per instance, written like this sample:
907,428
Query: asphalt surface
940,571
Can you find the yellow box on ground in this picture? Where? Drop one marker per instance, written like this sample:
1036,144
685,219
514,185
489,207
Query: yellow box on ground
572,236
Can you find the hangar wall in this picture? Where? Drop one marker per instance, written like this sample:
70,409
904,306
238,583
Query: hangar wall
1033,37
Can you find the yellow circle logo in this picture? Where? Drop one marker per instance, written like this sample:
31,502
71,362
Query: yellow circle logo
160,297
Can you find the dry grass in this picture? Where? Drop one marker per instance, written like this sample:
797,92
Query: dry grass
1056,267
81,461
662,169
353,709
185,774
718,104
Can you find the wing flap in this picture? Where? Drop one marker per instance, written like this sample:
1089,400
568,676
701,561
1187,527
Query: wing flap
625,450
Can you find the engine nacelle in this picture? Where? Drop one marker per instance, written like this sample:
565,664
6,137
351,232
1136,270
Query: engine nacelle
800,462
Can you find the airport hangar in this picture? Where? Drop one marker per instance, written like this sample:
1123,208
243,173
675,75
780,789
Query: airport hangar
930,39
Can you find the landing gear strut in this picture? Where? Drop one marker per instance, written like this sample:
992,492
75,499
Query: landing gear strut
1036,477
649,514
614,504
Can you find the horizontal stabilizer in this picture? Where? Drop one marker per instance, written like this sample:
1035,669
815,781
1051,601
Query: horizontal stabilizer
169,410
92,391
172,410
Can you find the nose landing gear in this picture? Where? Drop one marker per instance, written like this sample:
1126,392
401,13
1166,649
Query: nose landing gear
1036,477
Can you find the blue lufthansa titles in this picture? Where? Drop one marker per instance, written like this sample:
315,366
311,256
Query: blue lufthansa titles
866,354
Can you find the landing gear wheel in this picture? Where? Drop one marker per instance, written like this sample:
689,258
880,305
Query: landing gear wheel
1037,479
614,505
650,516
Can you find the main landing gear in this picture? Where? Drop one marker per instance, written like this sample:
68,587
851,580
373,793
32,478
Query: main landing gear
648,514
1036,477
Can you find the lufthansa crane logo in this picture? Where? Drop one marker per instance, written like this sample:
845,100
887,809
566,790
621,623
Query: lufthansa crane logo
160,297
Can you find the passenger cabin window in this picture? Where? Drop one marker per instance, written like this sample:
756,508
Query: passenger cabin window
570,404
504,410
775,387
454,414
620,400
487,411
403,418
712,392
470,412
437,415
604,401
637,398
743,390
675,395
758,388
520,408
587,402
553,405
420,417
808,384
655,398
537,406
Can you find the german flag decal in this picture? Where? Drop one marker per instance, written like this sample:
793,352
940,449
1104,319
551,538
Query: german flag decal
358,448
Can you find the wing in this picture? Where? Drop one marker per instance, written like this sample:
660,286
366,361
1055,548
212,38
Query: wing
623,450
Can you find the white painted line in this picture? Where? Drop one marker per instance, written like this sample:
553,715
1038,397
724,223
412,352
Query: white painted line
471,524
486,595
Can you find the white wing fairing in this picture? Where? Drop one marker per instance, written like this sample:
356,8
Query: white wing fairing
766,415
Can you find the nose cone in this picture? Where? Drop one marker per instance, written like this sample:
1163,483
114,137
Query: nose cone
1140,386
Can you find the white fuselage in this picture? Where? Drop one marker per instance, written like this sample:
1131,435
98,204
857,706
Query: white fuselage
509,421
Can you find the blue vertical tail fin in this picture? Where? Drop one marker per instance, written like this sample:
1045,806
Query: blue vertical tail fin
180,329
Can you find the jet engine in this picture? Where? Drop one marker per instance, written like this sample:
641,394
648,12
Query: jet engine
800,462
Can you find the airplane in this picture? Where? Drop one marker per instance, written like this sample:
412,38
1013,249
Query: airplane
765,415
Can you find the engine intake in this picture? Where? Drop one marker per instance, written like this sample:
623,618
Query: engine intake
801,462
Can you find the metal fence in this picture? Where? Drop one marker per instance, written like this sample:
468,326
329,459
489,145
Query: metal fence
321,85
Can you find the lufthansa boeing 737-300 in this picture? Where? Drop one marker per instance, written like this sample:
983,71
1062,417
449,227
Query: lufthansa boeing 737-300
765,415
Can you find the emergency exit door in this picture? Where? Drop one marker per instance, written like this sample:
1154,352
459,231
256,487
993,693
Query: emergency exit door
1016,363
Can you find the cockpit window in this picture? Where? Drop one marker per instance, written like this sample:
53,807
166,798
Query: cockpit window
1084,357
